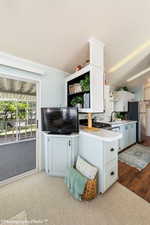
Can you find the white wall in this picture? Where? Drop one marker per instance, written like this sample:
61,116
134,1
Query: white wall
52,94
53,89
139,93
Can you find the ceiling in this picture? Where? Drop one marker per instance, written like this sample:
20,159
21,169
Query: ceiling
139,81
17,87
56,33
131,69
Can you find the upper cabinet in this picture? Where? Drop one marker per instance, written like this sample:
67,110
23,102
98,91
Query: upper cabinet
121,99
85,88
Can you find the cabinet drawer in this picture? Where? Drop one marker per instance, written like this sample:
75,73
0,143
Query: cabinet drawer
110,151
111,174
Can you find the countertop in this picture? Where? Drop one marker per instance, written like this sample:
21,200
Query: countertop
102,134
118,123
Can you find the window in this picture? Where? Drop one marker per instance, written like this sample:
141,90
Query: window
17,120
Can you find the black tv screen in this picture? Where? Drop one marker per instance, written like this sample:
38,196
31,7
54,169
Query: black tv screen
60,120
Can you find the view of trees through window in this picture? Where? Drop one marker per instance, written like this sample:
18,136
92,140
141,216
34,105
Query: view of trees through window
17,120
8,110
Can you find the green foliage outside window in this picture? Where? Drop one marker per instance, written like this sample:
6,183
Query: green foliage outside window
9,109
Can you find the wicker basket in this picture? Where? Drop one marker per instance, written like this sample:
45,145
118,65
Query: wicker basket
90,191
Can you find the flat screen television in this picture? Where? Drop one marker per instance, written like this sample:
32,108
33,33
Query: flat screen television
60,120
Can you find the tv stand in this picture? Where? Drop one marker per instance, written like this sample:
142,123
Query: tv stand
60,152
57,133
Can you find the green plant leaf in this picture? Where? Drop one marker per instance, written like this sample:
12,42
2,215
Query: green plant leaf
76,100
85,83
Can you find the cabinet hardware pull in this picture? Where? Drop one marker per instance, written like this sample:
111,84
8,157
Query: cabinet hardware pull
112,173
69,143
112,149
37,124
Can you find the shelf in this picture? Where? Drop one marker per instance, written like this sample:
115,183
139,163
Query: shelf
79,93
79,73
93,100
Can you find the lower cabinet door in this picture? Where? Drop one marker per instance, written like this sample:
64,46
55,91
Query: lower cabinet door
110,174
110,151
59,155
132,134
124,139
129,135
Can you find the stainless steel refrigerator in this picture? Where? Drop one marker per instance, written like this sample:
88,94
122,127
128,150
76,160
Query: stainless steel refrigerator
138,111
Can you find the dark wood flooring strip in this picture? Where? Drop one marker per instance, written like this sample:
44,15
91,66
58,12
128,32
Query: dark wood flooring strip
135,180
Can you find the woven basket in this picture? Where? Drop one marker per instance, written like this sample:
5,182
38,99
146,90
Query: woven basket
90,191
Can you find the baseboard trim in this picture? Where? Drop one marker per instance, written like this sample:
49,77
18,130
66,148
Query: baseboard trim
17,142
127,148
18,177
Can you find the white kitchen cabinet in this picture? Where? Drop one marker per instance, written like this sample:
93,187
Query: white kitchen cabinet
124,139
97,148
121,99
121,106
111,174
131,134
128,132
103,155
60,153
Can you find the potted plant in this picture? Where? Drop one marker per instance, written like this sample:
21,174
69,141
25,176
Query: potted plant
77,102
85,83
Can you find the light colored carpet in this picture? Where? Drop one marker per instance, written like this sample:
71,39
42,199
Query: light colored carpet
137,156
20,218
46,198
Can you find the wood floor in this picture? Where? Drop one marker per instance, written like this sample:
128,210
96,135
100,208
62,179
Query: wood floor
135,180
146,141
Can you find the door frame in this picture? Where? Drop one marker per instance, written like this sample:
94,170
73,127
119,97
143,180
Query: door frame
37,79
38,104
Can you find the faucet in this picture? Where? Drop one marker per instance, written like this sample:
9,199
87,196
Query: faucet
111,119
